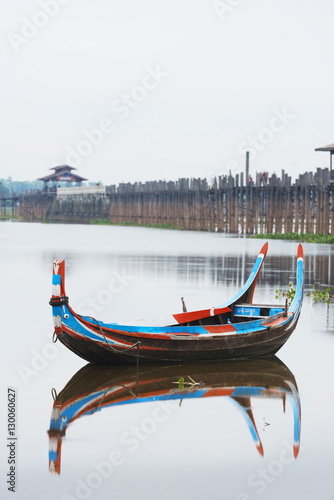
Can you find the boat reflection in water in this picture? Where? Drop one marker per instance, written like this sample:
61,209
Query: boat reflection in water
96,387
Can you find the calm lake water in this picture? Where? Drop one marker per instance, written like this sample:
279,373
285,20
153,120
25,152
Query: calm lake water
247,441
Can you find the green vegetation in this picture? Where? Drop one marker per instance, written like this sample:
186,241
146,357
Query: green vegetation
15,218
288,294
320,295
8,186
164,226
102,222
181,383
108,222
304,237
316,294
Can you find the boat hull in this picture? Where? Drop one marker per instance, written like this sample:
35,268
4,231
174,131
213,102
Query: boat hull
237,346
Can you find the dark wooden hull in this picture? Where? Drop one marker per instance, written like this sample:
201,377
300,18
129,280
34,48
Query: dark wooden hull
270,373
251,345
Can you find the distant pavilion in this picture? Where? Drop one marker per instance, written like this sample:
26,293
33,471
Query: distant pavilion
329,148
62,176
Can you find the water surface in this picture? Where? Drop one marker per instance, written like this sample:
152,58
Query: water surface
232,437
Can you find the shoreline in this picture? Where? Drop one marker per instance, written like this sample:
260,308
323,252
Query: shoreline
320,238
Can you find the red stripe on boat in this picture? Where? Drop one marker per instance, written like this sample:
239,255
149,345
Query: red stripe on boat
300,252
204,313
277,321
296,450
142,335
220,328
219,392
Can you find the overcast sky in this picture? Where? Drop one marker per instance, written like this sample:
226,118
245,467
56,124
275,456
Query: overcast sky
137,90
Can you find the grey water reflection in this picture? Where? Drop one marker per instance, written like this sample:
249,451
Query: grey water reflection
224,269
206,269
96,388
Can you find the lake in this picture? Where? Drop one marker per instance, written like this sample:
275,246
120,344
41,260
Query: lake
231,431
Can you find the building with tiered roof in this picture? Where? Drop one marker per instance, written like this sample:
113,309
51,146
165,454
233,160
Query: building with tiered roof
62,176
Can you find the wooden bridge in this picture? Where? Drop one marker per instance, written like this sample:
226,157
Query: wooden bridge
8,207
230,204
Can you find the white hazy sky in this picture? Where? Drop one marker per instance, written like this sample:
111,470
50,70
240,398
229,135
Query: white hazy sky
180,88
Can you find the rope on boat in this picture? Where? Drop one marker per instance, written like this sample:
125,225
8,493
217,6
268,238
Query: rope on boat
137,362
114,349
101,400
59,301
108,390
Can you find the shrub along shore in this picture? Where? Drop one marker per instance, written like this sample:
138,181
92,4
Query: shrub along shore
304,237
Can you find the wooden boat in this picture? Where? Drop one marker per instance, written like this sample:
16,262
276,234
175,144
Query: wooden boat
237,329
96,388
